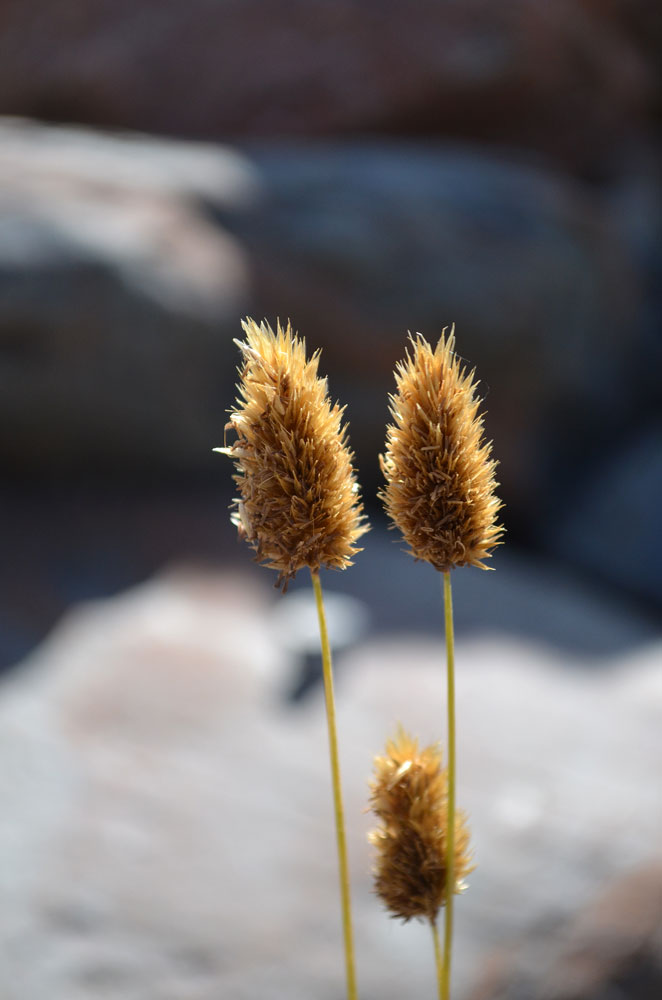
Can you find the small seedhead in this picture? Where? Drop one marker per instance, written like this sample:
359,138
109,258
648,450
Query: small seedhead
409,795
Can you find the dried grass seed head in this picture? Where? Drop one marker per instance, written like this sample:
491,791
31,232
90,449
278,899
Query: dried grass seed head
440,477
298,501
409,795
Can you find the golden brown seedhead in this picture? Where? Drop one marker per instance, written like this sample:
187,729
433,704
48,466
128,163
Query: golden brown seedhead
298,499
440,478
410,796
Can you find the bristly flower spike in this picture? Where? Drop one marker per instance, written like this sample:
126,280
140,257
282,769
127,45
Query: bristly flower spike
440,477
298,501
409,795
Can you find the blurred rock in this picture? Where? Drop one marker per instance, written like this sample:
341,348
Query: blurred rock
547,605
126,263
609,528
361,244
166,828
541,76
613,949
115,295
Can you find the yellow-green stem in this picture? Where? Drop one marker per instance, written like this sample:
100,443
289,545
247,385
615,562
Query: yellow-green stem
337,792
450,834
438,961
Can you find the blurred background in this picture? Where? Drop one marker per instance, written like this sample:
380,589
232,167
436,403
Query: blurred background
363,169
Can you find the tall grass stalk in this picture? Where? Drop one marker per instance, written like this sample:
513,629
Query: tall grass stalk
343,867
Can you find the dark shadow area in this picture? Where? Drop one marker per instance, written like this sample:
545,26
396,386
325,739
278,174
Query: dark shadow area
84,540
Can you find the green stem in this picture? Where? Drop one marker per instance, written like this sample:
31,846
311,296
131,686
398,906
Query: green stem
337,793
438,961
450,833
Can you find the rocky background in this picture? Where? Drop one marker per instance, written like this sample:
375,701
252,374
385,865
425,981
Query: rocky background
366,169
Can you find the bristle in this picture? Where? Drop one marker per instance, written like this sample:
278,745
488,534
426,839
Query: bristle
298,503
410,797
440,477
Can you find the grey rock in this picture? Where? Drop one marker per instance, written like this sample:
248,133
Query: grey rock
166,827
114,298
611,529
126,263
369,244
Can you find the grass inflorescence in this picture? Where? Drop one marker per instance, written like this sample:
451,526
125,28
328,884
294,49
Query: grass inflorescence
440,477
409,795
298,503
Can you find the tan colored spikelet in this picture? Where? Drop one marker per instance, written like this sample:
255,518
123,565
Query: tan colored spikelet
440,478
410,796
298,503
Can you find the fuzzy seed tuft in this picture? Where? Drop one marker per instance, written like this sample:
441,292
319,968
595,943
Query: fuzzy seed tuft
298,504
409,795
440,478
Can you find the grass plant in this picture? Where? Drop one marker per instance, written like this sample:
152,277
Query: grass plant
298,504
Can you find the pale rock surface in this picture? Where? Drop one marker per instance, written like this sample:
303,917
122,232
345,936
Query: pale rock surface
166,827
